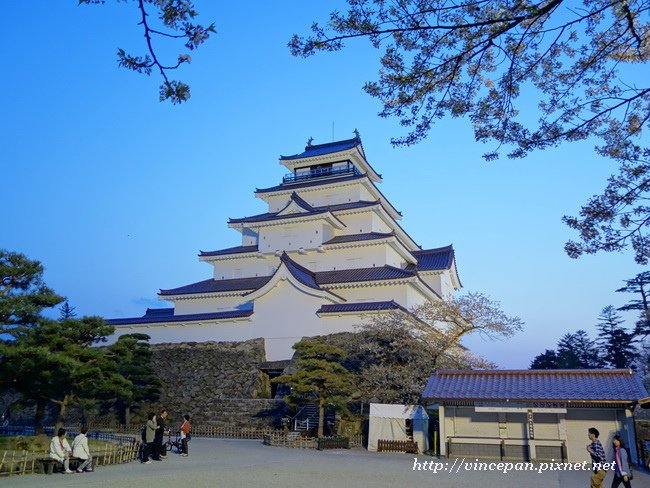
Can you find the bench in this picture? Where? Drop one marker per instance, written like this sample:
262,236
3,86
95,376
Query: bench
49,465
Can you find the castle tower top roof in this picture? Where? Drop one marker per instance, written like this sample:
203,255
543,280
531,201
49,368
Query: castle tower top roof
317,155
312,150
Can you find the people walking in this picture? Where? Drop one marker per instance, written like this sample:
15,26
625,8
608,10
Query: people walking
622,470
80,450
597,453
149,437
186,426
60,450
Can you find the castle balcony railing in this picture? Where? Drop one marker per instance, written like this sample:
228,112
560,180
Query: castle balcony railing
349,169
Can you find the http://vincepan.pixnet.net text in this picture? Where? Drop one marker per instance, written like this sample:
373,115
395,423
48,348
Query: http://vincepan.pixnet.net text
459,465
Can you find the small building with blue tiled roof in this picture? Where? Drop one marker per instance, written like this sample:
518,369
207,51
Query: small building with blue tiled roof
539,415
326,254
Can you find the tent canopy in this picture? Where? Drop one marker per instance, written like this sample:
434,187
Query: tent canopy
398,411
388,422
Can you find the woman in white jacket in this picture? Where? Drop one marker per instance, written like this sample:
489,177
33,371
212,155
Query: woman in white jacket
60,449
80,450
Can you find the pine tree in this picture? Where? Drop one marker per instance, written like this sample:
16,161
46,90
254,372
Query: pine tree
574,351
133,356
618,345
318,375
23,294
48,360
547,360
577,351
66,311
640,285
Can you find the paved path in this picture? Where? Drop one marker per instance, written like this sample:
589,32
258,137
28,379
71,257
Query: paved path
238,463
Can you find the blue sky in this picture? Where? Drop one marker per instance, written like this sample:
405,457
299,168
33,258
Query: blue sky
116,192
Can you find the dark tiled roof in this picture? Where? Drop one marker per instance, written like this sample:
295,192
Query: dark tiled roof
430,259
230,250
315,211
215,286
359,237
362,274
320,149
302,274
159,312
550,385
360,307
155,318
290,185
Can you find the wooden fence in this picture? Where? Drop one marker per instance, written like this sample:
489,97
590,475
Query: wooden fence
231,432
27,462
397,446
281,439
333,443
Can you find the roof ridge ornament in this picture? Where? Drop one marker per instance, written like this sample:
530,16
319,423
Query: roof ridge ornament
356,134
309,141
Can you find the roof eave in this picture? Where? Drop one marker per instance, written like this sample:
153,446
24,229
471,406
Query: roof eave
207,294
531,399
184,323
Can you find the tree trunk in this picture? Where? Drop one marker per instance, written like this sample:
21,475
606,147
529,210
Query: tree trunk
321,416
127,414
40,413
60,420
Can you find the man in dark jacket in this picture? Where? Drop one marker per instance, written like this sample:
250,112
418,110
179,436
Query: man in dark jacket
159,451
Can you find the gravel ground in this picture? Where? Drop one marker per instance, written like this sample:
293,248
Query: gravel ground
238,463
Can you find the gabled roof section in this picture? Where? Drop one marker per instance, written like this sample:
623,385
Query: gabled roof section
434,259
368,184
155,318
230,250
296,205
360,307
362,274
217,286
359,237
302,274
441,258
301,277
587,385
314,211
321,149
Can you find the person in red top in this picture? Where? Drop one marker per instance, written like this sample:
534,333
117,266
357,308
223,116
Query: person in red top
185,434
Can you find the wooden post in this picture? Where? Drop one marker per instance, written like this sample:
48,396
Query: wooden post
3,460
24,462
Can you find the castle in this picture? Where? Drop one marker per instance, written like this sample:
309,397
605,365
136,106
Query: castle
327,255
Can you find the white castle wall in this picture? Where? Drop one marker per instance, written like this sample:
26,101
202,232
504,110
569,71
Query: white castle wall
207,305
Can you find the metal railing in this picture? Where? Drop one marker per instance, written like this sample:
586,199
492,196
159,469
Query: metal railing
320,173
304,419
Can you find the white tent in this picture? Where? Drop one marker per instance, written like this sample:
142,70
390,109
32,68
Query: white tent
388,422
